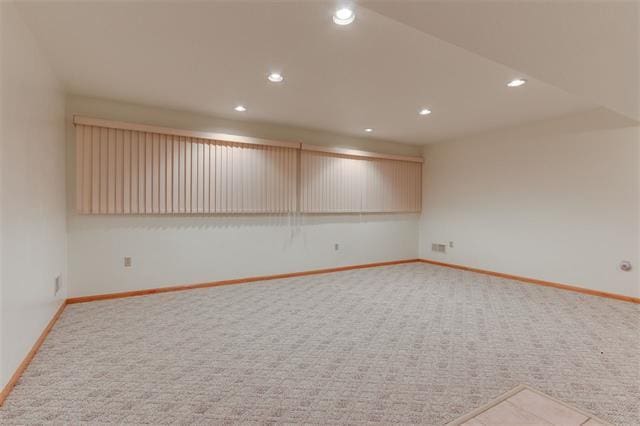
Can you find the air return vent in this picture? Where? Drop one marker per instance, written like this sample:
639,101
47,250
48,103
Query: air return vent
440,248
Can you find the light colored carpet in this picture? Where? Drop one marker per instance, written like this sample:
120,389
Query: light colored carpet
411,343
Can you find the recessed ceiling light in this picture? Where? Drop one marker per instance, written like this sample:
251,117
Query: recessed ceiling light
240,108
275,77
344,16
424,111
368,130
517,82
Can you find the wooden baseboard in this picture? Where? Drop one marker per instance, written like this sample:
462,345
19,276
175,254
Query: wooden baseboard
120,295
183,287
538,282
27,359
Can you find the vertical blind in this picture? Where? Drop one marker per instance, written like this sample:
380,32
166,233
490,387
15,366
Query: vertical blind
124,168
122,171
334,182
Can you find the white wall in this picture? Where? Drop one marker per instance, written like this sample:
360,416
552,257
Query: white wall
32,197
170,250
556,200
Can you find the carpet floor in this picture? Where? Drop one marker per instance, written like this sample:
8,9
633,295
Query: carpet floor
410,344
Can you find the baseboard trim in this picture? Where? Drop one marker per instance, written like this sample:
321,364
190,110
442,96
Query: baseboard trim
537,282
183,287
27,359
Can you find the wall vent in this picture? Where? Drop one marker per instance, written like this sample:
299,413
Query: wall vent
440,248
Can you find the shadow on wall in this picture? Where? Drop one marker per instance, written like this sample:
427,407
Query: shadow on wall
173,250
289,227
222,221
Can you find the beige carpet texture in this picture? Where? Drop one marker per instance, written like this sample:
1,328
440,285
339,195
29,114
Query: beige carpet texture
404,344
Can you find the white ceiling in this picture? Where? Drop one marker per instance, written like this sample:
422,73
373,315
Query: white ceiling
208,57
589,48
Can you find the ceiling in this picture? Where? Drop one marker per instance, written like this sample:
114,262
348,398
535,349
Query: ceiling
377,72
589,48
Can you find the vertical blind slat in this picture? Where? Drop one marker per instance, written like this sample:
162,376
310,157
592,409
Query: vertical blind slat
85,184
79,169
134,172
104,162
119,172
126,183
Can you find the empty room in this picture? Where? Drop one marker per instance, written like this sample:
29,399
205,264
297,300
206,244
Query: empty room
320,212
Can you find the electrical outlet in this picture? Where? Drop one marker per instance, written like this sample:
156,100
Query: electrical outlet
451,244
127,262
336,246
57,284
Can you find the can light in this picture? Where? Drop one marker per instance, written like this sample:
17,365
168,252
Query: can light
517,82
275,77
344,16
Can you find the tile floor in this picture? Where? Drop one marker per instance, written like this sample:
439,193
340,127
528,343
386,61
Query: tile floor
526,406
